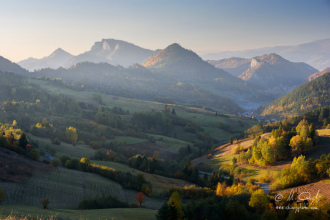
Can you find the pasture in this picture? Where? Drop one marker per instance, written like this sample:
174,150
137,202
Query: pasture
169,143
66,188
101,214
77,151
160,184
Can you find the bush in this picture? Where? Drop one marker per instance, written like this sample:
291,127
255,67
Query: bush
56,141
56,162
34,154
134,205
45,203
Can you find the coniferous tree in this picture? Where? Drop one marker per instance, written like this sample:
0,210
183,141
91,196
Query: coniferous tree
173,111
22,142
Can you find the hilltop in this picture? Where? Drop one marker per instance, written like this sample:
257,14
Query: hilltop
55,60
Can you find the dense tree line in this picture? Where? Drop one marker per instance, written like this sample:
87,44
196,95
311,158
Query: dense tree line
104,202
302,172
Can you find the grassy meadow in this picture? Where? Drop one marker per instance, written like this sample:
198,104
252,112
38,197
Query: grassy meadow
160,184
77,151
66,188
101,214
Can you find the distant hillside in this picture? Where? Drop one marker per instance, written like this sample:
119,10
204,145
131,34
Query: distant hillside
136,82
184,65
114,52
55,60
272,71
315,53
317,74
311,95
181,64
269,71
8,66
235,65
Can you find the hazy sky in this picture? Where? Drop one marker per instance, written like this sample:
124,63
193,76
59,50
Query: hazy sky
37,28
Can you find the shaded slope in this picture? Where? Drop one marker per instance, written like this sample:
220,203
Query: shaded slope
8,66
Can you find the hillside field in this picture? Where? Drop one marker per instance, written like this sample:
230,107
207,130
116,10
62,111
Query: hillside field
100,214
66,188
160,184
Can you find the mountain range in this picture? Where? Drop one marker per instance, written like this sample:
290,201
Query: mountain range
315,53
174,73
107,50
270,71
185,65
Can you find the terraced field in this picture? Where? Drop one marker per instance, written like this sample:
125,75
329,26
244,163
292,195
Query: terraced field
66,188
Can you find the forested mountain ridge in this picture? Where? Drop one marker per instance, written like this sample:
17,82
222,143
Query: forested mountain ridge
311,95
182,64
8,66
317,74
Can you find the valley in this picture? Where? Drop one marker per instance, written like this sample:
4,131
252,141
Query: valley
125,132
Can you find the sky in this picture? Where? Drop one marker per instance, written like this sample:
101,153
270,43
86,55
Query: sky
36,28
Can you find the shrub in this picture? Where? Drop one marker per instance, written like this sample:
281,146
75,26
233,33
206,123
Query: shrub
56,162
45,203
134,205
34,154
56,141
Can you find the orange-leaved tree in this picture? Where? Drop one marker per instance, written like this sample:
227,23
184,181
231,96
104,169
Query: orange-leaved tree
139,198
